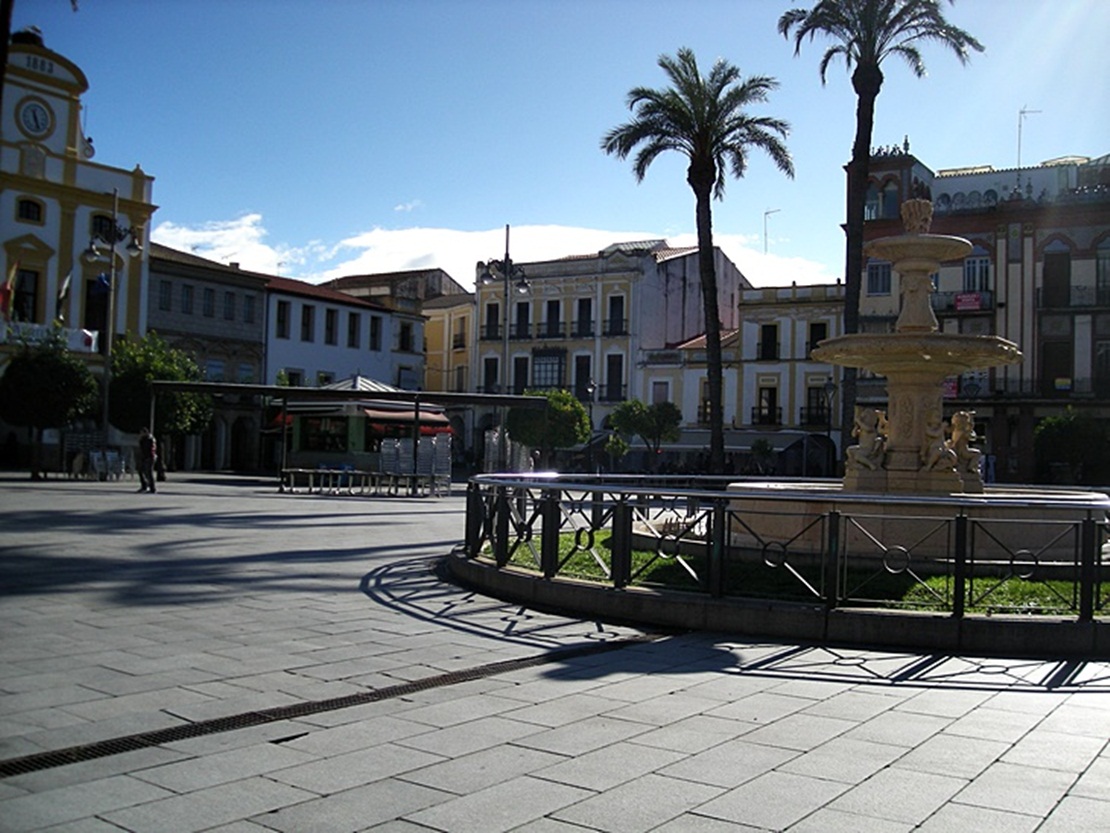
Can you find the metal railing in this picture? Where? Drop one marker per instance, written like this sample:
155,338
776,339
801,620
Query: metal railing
762,415
691,535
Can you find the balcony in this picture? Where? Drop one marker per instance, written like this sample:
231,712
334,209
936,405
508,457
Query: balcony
612,392
551,329
616,327
520,331
763,415
1073,296
27,332
583,328
814,416
490,332
962,301
458,341
767,351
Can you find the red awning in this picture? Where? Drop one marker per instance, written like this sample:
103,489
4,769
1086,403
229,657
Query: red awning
404,417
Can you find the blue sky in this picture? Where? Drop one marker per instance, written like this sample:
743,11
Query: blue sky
318,139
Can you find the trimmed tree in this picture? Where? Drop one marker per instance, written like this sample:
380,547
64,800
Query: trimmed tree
45,386
655,424
138,362
562,424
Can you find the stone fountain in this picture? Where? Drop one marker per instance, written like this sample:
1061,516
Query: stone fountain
906,449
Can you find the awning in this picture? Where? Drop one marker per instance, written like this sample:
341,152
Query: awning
404,417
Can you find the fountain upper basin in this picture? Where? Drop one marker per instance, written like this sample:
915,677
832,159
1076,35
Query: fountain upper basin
933,354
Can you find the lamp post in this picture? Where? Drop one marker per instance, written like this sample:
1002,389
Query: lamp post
830,393
512,277
111,236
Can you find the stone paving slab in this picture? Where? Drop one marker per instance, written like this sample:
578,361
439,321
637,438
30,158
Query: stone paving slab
124,613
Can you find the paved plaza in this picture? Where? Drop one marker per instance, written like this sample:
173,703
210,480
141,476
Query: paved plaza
219,656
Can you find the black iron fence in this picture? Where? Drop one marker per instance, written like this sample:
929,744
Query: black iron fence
693,535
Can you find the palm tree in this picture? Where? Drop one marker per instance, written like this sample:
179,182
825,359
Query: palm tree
866,32
703,118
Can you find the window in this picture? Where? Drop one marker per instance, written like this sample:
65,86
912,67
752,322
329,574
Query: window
26,295
29,211
547,368
660,392
818,332
1057,278
96,309
871,203
214,370
891,203
208,302
375,332
324,433
520,374
977,271
354,322
613,389
768,342
245,374
1102,273
460,379
229,306
553,326
493,321
248,309
187,299
583,377
282,326
331,326
523,326
878,278
165,296
615,324
308,322
404,337
324,377
102,226
294,377
584,326
490,375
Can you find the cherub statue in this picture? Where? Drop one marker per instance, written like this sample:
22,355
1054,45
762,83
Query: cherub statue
868,453
963,434
935,453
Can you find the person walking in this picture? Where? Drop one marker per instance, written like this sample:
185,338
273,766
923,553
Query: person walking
148,455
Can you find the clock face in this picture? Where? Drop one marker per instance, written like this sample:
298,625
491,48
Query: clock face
35,119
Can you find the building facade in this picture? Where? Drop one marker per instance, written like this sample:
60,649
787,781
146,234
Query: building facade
1039,275
215,313
587,323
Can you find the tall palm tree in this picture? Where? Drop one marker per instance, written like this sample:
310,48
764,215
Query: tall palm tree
865,33
704,119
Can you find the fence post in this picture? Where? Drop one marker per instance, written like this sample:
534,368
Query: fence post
622,543
1088,550
501,524
549,535
475,517
832,560
718,535
959,574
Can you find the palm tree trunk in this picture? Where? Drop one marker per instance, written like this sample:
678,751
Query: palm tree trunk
867,81
708,273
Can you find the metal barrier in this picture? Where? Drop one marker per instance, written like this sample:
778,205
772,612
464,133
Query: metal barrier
695,536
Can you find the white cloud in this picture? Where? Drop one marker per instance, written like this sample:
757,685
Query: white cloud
456,252
411,205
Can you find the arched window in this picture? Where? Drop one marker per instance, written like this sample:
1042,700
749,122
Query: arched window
891,202
871,203
1102,272
29,210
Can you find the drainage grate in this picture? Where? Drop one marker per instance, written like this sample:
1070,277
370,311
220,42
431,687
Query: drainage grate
130,743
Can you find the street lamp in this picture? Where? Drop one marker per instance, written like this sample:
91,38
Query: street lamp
512,277
830,392
111,235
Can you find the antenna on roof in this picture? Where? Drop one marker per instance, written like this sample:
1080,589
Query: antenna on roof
1022,113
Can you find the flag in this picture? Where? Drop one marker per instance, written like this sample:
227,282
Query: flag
103,284
7,289
63,295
